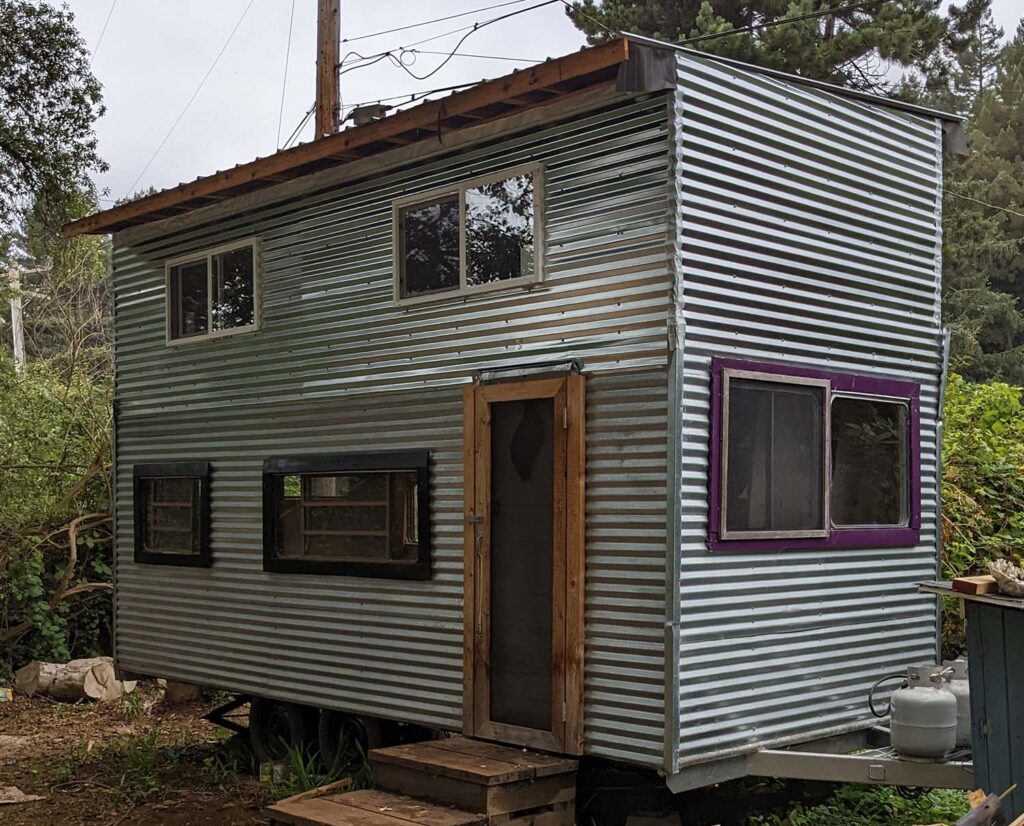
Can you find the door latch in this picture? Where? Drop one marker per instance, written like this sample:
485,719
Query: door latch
475,519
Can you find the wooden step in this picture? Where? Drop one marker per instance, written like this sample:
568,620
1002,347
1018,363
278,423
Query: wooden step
480,777
369,808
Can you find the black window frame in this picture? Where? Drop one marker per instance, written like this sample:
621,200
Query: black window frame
197,470
338,463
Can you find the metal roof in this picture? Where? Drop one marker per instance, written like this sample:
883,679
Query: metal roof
489,100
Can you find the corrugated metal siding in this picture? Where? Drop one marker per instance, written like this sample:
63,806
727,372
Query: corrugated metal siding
391,648
809,232
329,325
337,367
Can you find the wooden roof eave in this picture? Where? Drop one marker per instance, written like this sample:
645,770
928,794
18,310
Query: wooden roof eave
536,86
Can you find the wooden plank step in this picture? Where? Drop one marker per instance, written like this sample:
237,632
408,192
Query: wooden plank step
369,808
474,761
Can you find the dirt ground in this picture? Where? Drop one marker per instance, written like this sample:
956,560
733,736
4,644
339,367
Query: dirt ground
136,761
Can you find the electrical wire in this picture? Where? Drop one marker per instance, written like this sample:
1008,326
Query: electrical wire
284,80
472,30
103,31
986,204
481,56
195,94
596,22
772,23
430,22
298,129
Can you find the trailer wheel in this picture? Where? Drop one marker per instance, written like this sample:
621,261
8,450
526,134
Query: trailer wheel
277,727
345,740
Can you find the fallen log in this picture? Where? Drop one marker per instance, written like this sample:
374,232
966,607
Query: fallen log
87,679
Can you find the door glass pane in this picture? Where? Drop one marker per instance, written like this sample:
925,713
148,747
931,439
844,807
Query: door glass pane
775,457
430,246
189,299
499,230
869,462
233,288
522,554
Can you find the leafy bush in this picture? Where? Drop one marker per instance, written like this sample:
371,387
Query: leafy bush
54,514
854,805
982,484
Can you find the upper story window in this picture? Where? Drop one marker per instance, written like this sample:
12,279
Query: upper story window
172,513
214,292
478,235
363,514
804,458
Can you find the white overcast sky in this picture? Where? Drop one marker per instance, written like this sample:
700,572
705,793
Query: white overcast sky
154,54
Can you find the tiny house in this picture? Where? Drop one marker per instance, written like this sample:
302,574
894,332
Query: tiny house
594,408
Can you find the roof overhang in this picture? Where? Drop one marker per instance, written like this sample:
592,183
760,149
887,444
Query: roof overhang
636,64
544,83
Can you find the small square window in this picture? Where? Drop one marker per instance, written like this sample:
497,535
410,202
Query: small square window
172,514
212,293
479,235
354,514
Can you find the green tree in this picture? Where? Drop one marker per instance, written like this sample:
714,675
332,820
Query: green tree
983,239
856,48
49,103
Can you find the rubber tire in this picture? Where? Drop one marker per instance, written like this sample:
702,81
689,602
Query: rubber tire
334,728
277,727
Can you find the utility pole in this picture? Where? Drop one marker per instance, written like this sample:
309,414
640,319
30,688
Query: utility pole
17,320
328,92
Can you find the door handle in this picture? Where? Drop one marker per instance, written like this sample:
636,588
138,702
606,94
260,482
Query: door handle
475,519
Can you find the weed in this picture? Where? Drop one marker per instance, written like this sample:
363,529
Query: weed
132,706
854,805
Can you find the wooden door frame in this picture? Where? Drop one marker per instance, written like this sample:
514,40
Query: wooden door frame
568,393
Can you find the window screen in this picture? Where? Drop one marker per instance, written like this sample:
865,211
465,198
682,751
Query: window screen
172,513
360,514
775,461
430,246
870,473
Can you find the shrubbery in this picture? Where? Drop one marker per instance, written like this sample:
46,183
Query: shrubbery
54,514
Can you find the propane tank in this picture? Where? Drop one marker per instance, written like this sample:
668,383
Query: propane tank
958,684
923,715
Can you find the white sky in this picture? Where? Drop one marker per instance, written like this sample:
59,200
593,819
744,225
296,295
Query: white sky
154,54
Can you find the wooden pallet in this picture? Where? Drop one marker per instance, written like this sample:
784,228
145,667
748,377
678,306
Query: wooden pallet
453,782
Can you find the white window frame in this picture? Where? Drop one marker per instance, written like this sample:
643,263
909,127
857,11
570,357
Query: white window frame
776,378
459,189
208,254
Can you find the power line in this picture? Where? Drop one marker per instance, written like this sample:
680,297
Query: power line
103,31
481,56
772,23
284,80
986,204
472,30
195,94
430,22
573,11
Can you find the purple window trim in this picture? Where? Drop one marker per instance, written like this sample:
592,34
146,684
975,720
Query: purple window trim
882,537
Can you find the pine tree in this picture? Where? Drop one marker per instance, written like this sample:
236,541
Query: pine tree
978,61
857,47
984,229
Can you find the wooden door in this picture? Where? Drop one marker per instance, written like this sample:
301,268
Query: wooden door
524,485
